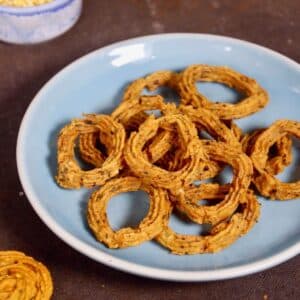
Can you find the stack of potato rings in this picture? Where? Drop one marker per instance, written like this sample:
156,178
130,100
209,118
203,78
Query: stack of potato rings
166,151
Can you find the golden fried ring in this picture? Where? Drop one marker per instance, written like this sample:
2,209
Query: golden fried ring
221,235
22,277
148,228
131,111
88,148
173,161
135,121
256,96
265,182
155,175
150,82
89,152
211,123
160,145
92,155
70,175
206,120
235,129
284,156
242,175
126,110
283,151
132,118
165,152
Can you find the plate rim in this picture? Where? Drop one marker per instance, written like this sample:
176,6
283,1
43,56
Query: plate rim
108,259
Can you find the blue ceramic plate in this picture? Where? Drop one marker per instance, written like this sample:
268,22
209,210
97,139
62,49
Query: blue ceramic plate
95,83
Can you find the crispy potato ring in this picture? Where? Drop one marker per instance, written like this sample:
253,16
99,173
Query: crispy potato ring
134,117
242,175
135,121
172,161
160,145
283,148
221,235
256,96
148,228
211,123
284,156
69,173
235,129
155,175
167,154
206,120
163,151
92,155
126,110
150,82
22,277
265,182
88,150
129,110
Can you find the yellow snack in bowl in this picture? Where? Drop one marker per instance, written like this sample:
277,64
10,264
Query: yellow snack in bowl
23,3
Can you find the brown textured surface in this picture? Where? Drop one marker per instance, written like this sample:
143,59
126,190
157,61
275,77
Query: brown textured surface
24,69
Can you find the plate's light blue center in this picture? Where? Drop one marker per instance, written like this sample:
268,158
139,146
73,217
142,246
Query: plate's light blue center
127,209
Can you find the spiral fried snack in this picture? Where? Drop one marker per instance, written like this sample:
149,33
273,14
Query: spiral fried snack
255,96
242,175
172,160
158,147
165,150
70,175
206,120
221,235
266,183
131,111
235,129
282,155
212,124
161,143
151,174
148,228
150,82
89,151
22,277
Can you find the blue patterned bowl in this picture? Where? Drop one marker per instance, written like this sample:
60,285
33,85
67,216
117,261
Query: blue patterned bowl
39,23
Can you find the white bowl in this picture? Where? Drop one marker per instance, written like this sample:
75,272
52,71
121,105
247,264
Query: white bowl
28,25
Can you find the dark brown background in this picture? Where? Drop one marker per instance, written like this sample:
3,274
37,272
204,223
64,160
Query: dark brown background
24,69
